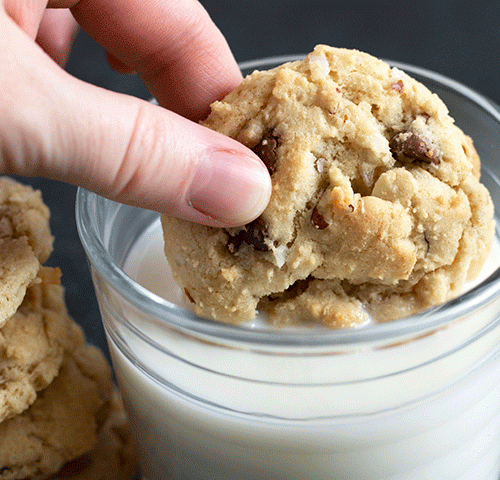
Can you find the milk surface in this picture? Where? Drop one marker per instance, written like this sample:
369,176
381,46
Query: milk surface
148,266
425,410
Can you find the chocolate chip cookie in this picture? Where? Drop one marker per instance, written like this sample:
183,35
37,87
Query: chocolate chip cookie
25,242
63,422
113,458
32,343
377,210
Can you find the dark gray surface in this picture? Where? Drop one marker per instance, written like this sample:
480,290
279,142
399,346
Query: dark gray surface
460,40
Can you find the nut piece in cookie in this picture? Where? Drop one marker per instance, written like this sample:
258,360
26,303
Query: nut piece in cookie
376,210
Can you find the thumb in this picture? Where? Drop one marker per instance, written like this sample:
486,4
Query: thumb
141,154
124,148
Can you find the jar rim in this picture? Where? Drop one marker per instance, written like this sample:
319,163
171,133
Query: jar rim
88,203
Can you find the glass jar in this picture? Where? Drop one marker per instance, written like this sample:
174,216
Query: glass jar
418,398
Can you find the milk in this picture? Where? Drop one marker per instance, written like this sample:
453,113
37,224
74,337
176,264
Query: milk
148,266
424,408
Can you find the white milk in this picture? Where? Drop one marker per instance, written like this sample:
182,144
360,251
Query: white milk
427,409
148,267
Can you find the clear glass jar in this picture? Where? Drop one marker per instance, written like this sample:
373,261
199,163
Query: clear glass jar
417,398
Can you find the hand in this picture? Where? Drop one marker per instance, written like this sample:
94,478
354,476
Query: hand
54,125
56,33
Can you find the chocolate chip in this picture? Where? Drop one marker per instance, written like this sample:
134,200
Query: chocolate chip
267,150
425,116
188,295
427,242
408,147
317,220
254,233
74,467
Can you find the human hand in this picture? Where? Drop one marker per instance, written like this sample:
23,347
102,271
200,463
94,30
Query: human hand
56,33
121,147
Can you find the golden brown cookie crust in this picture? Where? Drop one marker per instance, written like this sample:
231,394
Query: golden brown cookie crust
113,458
63,422
25,242
32,343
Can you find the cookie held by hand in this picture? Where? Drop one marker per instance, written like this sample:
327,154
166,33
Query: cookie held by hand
377,208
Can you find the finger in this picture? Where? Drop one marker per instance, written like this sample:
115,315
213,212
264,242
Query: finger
118,146
173,45
56,34
26,14
118,66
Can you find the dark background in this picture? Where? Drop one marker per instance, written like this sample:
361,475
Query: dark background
460,39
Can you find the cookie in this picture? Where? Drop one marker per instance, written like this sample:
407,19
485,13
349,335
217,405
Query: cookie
25,242
113,458
377,210
33,341
63,422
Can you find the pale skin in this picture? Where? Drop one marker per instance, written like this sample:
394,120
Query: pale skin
121,147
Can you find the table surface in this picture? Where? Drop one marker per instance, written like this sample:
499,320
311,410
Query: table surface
460,40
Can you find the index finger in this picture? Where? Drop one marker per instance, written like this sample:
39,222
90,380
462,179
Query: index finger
174,46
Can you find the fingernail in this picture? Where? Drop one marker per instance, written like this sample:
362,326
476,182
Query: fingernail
230,188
